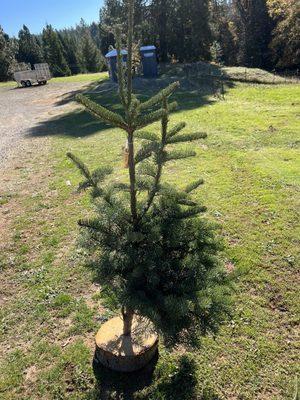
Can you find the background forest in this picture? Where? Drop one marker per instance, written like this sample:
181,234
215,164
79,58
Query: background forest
251,33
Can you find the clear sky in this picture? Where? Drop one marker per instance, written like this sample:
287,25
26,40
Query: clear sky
36,13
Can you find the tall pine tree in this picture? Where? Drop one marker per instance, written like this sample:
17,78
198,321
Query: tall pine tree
70,44
160,9
8,51
91,59
153,253
222,30
253,29
53,52
30,51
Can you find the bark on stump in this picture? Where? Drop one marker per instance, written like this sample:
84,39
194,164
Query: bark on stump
126,353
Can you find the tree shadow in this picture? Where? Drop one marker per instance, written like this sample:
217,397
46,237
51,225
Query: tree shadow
68,97
76,124
121,385
168,378
79,123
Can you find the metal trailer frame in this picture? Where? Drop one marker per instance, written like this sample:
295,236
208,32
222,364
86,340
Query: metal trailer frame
40,75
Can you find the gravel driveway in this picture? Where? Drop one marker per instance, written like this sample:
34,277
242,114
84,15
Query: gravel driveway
21,109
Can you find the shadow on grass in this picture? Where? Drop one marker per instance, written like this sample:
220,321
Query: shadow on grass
79,123
75,124
168,379
68,97
120,385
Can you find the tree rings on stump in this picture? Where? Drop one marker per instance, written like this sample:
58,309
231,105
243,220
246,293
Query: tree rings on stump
126,353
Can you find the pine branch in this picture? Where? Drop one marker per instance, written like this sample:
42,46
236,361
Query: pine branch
134,109
179,154
102,113
170,191
107,196
164,123
187,202
177,128
146,135
159,156
96,192
121,186
190,213
100,173
94,225
172,106
144,183
148,119
187,138
80,165
194,185
92,179
148,169
84,185
146,151
158,98
135,237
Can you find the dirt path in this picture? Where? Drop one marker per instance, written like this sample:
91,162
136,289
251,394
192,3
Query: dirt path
23,109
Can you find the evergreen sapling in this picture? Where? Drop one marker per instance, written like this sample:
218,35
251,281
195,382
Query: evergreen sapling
153,253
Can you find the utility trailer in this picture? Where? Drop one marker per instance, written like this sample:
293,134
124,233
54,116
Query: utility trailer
40,75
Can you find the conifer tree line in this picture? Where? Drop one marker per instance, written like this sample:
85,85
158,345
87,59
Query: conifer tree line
67,51
250,33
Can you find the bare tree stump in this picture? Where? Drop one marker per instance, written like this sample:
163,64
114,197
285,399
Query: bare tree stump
126,353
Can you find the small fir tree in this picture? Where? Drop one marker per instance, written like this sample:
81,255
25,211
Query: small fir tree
216,52
153,253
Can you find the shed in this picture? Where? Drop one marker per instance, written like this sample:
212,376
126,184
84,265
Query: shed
149,61
111,57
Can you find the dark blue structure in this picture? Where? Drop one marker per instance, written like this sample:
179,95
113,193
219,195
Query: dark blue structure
112,63
149,61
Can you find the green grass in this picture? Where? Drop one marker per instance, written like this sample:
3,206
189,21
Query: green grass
7,84
81,78
250,163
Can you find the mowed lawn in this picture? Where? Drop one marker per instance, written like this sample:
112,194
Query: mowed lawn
51,310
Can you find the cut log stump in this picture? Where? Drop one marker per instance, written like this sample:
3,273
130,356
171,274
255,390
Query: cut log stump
126,353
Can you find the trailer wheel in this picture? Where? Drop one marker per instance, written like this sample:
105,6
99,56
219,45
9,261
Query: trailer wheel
23,83
28,83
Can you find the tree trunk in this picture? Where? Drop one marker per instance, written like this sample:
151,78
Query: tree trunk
162,20
127,321
131,165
